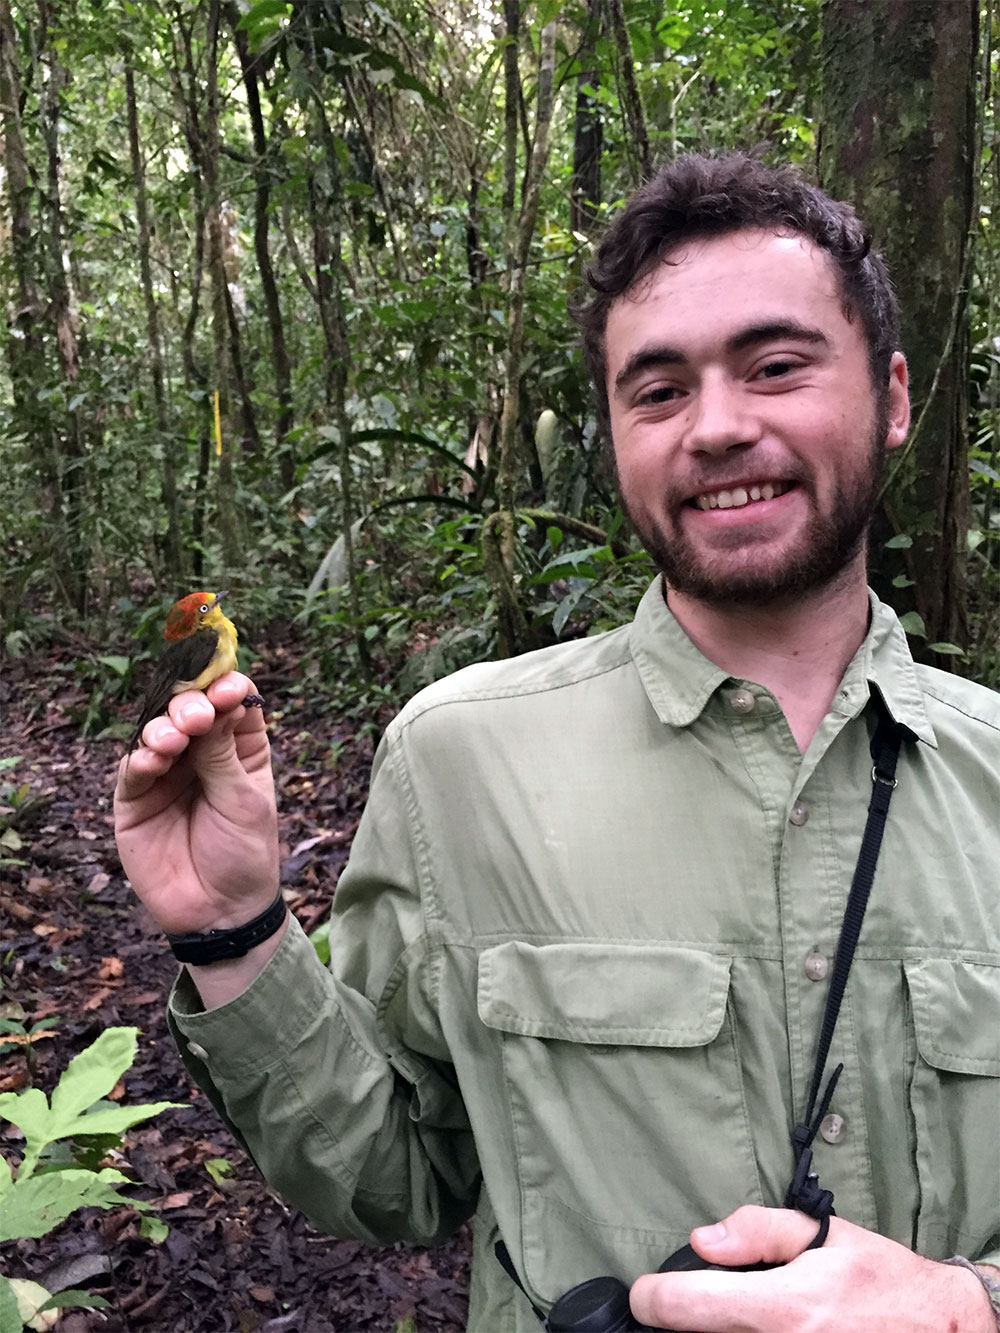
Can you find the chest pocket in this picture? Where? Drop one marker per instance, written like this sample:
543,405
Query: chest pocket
622,1075
955,1099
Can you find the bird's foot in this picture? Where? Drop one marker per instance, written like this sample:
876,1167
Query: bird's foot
253,701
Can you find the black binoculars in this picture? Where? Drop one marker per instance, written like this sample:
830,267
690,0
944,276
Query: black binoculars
601,1304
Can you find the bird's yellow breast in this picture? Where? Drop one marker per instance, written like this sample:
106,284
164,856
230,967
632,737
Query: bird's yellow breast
223,659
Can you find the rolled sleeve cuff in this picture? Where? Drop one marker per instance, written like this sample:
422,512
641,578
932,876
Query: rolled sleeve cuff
247,1035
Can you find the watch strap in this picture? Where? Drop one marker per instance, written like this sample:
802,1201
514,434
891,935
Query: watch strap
215,946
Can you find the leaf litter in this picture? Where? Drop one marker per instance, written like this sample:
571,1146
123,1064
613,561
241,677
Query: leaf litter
77,947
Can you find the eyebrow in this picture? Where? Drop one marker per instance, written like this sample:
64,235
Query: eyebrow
662,355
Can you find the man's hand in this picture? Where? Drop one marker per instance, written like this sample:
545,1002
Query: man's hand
857,1282
195,815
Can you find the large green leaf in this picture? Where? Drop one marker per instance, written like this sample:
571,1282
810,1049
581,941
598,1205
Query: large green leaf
36,1205
10,1317
92,1074
30,1112
86,1079
113,1120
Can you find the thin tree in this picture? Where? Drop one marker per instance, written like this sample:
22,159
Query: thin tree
24,342
637,137
262,170
168,491
227,510
62,311
588,131
499,537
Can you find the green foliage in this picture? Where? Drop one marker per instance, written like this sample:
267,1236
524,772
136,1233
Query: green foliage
220,1169
320,938
49,1185
410,181
18,810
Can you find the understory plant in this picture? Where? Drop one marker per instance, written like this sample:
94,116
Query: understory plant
66,1137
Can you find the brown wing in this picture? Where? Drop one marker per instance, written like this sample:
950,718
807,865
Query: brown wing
184,660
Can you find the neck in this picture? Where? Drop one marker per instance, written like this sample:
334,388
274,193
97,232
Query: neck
799,649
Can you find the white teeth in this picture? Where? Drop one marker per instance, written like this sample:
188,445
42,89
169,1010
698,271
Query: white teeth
738,496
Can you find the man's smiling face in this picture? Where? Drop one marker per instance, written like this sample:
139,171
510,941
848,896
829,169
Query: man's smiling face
747,435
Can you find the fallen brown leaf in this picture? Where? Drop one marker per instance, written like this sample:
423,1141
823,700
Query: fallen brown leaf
24,1038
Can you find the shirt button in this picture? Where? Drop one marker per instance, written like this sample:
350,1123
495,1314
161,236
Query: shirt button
799,813
817,966
197,1051
742,701
833,1127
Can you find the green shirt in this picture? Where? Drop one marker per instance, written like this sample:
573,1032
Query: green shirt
580,958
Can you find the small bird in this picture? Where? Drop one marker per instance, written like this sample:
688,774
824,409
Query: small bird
201,645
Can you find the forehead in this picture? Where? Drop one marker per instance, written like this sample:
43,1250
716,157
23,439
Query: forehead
709,287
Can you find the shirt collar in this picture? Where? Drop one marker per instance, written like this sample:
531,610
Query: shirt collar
679,680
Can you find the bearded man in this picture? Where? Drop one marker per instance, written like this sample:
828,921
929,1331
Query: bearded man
593,925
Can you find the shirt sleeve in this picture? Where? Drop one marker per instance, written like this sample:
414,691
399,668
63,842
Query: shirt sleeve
337,1081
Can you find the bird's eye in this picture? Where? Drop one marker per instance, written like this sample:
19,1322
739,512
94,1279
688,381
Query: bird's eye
203,609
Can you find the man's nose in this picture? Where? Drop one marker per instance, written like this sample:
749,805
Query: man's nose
721,417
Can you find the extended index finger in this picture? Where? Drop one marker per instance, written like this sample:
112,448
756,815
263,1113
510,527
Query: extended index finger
713,1302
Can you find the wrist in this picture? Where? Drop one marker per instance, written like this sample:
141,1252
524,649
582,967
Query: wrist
224,942
218,983
988,1302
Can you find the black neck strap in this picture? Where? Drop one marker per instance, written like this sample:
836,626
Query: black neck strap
804,1192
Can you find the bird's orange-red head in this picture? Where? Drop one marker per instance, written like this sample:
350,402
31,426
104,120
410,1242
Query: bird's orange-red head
189,614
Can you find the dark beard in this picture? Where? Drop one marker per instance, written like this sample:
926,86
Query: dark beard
830,545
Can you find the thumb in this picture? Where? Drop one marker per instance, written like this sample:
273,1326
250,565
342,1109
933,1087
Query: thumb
754,1235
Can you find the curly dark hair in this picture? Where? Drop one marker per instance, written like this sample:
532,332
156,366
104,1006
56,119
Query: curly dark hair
696,196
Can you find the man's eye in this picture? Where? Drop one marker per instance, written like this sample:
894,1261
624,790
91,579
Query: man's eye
774,369
663,393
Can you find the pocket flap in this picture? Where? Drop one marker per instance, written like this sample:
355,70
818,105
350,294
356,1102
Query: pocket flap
621,994
956,1013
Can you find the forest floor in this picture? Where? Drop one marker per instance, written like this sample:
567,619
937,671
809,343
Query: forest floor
74,943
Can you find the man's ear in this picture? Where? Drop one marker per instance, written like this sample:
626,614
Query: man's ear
898,415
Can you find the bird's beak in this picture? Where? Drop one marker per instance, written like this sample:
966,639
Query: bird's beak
217,599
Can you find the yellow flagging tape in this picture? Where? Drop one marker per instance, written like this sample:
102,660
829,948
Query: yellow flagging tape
218,427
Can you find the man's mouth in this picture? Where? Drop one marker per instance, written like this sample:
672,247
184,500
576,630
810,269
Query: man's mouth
739,496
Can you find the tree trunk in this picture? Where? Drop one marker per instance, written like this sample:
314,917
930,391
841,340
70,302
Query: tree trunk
168,489
25,348
511,622
269,287
588,142
73,556
629,92
228,525
187,90
898,139
327,208
512,97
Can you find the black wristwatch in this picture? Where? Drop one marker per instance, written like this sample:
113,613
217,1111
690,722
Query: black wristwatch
214,946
